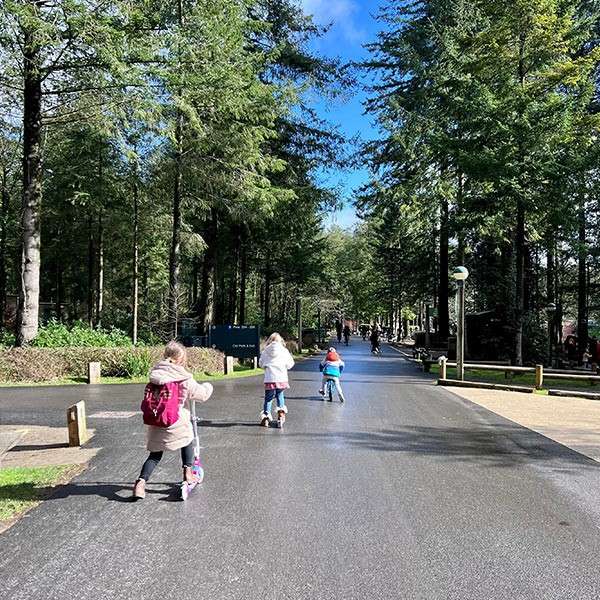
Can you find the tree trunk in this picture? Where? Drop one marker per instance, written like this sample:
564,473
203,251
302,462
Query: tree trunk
174,255
219,290
520,230
3,232
267,297
176,234
100,243
206,296
519,282
550,293
443,287
90,290
29,289
233,285
243,279
135,262
59,290
100,272
195,276
528,280
582,304
460,251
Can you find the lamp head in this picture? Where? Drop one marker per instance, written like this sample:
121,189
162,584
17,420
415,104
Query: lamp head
460,273
551,308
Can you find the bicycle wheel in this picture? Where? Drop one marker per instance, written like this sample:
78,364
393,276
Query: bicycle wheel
330,390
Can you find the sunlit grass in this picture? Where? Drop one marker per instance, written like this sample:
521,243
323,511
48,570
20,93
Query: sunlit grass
21,488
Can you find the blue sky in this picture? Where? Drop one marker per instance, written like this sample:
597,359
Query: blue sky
353,24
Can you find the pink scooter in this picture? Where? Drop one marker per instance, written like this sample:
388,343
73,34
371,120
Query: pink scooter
197,468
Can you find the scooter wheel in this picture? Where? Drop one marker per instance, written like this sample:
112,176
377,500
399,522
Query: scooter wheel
184,491
200,475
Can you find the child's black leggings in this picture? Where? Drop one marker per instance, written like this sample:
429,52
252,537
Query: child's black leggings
187,460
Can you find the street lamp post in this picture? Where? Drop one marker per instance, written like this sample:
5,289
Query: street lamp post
551,311
460,274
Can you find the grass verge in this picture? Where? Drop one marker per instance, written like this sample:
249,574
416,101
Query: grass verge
22,488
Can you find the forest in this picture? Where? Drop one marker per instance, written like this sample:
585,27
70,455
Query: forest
163,162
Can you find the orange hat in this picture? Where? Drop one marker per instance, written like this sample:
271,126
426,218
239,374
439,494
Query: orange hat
332,355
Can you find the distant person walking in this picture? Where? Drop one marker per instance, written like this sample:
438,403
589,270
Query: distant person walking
346,334
338,330
276,360
374,339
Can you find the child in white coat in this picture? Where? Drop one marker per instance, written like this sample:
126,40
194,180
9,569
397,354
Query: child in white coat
276,360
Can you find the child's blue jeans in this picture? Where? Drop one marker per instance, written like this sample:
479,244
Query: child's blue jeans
270,395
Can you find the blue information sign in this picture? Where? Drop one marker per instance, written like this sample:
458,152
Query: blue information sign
239,341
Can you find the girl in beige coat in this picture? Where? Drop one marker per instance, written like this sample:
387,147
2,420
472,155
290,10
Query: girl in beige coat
180,435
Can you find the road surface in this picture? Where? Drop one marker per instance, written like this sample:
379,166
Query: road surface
406,491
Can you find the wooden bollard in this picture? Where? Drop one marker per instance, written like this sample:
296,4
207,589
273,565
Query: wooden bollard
76,423
255,362
539,377
94,372
443,361
228,365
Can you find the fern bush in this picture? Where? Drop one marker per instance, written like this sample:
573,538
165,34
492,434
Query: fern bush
79,335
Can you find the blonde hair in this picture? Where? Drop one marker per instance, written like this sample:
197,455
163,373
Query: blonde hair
274,337
176,352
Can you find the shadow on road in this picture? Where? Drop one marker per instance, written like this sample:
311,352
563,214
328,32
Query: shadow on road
224,424
29,448
112,491
498,447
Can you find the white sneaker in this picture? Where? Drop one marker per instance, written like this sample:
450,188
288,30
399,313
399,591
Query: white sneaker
265,419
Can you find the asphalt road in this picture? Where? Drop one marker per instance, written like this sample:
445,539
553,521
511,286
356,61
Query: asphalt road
406,491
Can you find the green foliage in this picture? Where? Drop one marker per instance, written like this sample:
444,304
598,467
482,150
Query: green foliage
535,341
21,488
136,365
59,335
7,339
488,114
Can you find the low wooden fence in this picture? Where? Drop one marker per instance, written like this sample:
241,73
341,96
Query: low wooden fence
538,370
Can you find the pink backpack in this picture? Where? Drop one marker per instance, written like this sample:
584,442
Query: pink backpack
160,406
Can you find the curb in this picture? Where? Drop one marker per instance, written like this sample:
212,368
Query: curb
488,386
567,394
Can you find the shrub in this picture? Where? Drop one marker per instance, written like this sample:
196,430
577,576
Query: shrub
47,364
7,339
58,335
136,364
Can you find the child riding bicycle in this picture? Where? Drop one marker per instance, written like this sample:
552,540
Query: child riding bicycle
332,368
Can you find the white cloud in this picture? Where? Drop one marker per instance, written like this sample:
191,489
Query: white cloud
341,14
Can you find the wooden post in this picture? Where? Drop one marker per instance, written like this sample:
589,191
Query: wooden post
76,424
443,368
539,376
228,365
94,372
